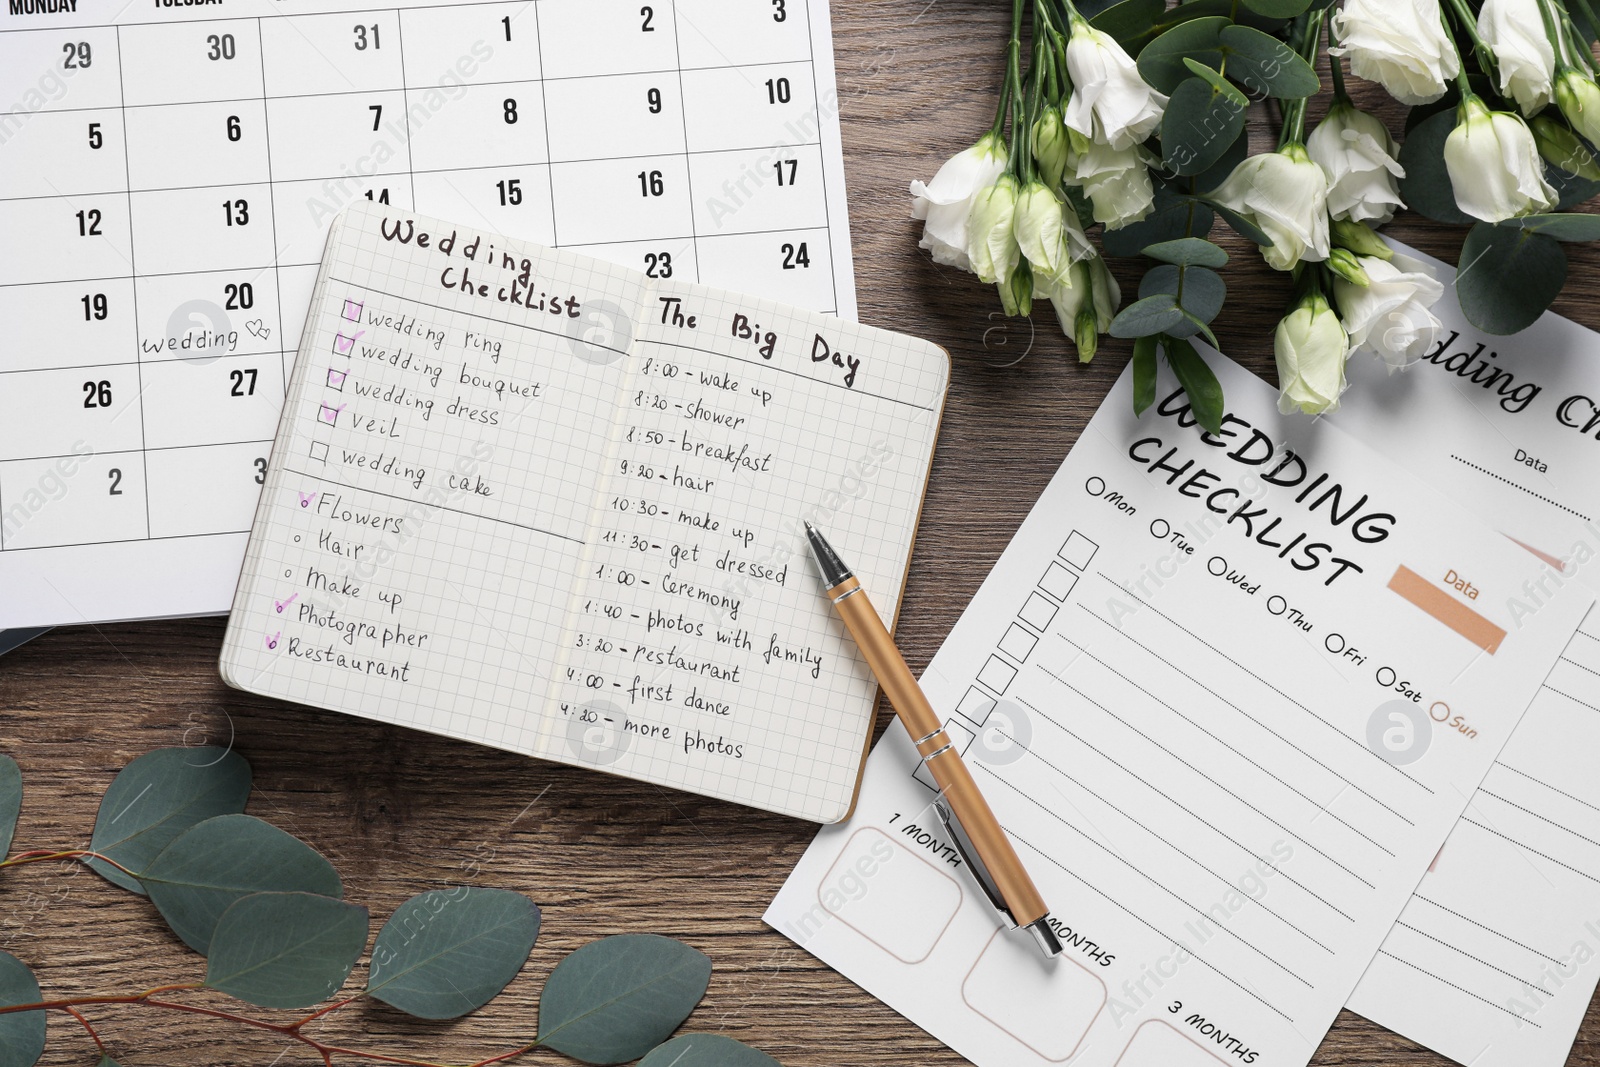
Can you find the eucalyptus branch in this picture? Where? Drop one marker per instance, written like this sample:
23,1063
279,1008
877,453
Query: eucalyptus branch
41,855
293,1030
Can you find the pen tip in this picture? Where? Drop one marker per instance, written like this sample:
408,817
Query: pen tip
809,528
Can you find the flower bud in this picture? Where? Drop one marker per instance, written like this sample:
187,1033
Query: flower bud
1562,148
991,246
1309,347
1087,334
1016,292
1359,238
1051,149
1494,166
1578,97
1344,263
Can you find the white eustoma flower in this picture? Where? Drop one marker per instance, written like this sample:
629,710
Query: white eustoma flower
1514,29
1356,152
1494,165
1110,102
1048,231
946,202
991,244
1117,181
1578,97
1400,44
1390,316
1085,299
1310,347
1285,194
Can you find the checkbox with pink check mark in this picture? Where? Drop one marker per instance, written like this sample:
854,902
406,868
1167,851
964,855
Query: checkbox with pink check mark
336,379
352,309
330,414
342,345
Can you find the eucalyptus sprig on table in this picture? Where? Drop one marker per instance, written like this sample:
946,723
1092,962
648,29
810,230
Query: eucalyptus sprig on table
268,914
1130,116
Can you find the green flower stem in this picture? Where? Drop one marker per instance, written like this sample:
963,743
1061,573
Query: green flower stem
1469,25
1577,42
1587,10
1463,85
1336,68
1553,34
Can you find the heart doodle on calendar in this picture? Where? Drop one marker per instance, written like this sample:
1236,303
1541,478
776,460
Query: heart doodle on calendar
257,329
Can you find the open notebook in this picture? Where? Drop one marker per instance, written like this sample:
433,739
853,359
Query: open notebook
547,503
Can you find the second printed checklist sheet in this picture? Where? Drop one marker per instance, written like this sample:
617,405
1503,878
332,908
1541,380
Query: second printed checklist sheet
1228,693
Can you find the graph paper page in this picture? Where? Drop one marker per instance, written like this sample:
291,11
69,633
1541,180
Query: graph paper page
533,499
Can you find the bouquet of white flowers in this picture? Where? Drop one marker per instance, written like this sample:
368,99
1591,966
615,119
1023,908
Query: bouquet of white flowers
1128,121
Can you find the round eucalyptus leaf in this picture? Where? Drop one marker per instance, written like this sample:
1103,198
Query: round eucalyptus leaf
1562,225
202,873
1172,218
1426,187
447,952
1187,250
1278,9
1218,172
285,950
22,1034
1161,63
1507,278
1161,279
1200,124
1239,224
1151,315
706,1050
1264,64
157,797
10,801
615,999
1129,22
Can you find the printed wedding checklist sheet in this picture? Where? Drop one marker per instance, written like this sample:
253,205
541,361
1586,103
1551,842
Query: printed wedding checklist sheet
168,174
1495,959
1228,694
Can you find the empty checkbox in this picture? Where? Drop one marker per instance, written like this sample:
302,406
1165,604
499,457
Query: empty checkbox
1017,643
1078,550
1037,612
319,451
975,706
1058,581
997,674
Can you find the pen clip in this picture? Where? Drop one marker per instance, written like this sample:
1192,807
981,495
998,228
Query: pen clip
969,853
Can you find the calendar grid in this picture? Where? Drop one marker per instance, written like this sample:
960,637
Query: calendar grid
133,273
182,326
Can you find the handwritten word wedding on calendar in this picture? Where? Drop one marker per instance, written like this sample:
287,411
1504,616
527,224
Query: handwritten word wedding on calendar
168,173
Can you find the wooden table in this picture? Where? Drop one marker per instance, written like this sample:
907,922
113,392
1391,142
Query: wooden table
398,811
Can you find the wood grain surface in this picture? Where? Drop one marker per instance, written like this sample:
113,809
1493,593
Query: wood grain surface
399,812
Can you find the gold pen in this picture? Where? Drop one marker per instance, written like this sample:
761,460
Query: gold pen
977,834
